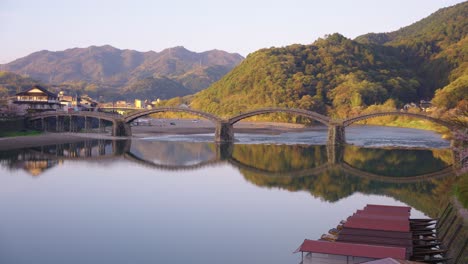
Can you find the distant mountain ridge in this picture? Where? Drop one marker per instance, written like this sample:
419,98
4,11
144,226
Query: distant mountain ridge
107,67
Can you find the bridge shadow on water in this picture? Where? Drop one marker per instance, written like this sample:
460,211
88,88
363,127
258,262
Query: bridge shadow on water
328,172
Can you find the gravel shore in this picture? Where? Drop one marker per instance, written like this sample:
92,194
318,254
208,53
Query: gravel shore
145,129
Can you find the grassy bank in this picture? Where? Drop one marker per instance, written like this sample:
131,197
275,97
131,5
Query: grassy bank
408,122
19,133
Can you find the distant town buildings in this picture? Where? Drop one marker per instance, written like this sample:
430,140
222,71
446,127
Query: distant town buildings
138,104
86,103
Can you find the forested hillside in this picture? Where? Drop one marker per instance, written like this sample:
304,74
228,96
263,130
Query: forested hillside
437,48
11,83
343,77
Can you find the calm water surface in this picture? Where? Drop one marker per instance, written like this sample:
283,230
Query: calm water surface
181,199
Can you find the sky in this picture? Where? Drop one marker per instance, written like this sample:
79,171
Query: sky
241,26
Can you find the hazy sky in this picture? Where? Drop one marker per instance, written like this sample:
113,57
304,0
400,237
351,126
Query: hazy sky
241,26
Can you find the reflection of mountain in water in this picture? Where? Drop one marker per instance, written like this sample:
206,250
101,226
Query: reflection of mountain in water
173,153
291,167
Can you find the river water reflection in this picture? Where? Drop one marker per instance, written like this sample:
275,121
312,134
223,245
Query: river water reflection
164,200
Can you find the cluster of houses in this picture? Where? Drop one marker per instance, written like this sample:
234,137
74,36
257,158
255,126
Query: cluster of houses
39,99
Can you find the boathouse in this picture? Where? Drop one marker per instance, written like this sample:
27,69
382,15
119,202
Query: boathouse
324,252
376,232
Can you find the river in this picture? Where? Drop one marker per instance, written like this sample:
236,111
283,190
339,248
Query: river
184,199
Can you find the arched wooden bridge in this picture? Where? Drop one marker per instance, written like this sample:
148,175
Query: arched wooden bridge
224,127
351,120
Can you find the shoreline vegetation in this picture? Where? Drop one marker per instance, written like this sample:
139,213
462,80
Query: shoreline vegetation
5,134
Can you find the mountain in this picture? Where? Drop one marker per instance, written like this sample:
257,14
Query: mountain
343,77
111,69
164,87
11,83
435,46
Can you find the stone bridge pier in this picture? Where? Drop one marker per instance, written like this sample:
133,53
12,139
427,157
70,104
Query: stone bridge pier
224,132
73,124
224,150
59,123
336,134
335,153
102,126
121,129
120,147
87,124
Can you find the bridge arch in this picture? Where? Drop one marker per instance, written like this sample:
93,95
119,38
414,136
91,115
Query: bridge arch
312,115
43,119
280,174
97,115
207,163
349,169
350,121
137,114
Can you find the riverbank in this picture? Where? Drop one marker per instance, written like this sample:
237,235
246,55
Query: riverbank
196,126
170,126
157,127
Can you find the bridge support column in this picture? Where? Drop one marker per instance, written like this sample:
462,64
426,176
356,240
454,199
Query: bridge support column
88,148
224,150
73,124
335,154
87,124
59,124
120,147
121,129
72,150
102,126
44,124
336,135
224,132
101,147
37,125
59,150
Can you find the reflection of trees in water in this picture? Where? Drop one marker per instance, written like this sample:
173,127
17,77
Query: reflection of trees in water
268,161
335,183
397,162
280,158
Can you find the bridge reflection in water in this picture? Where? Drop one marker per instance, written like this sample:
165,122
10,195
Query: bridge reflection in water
383,164
416,176
331,172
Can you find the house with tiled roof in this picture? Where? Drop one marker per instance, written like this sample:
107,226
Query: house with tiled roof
37,99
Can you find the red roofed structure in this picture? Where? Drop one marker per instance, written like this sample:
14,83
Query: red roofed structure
376,232
347,253
378,224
